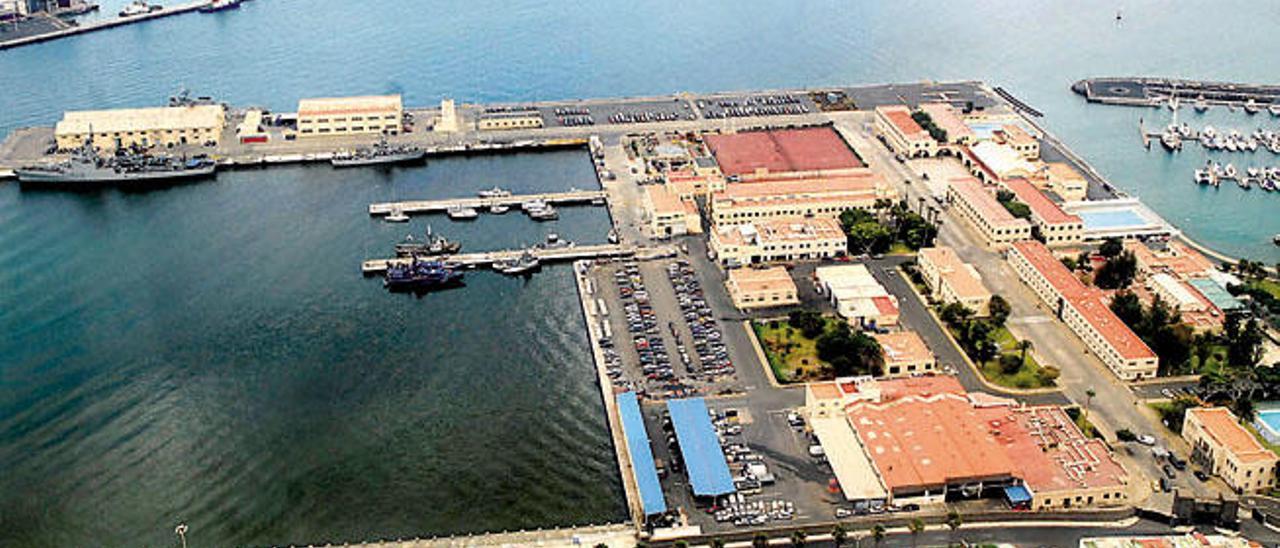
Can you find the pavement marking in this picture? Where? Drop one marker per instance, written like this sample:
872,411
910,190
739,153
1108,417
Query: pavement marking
1028,320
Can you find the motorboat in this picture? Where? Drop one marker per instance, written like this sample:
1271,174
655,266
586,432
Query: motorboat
397,216
1170,140
499,209
1274,109
460,213
526,263
554,242
1252,107
1204,176
1275,239
614,237
1201,104
220,5
138,7
494,192
547,213
1229,172
533,204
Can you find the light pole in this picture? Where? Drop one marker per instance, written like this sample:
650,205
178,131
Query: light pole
181,531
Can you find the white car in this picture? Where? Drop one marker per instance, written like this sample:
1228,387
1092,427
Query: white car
1147,440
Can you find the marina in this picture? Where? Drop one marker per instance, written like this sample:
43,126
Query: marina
125,18
489,258
1166,92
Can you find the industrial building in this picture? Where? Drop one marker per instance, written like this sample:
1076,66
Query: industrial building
752,288
700,450
992,162
669,214
145,127
924,439
509,119
975,204
1056,227
1224,448
778,239
825,197
1083,309
857,296
640,455
337,116
951,280
905,354
813,151
904,136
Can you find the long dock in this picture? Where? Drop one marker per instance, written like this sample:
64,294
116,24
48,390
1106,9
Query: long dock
440,206
599,251
104,24
1156,92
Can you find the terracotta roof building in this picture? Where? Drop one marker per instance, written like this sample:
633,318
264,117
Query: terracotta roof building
1222,446
1057,227
894,124
752,288
797,197
811,151
951,280
905,354
977,205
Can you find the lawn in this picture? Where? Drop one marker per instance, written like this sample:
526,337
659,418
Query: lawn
1028,376
792,356
899,248
1268,285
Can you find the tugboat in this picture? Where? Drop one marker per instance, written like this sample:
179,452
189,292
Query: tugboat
433,245
459,213
125,168
379,154
421,276
522,265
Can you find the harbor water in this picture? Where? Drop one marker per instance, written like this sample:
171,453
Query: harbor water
209,353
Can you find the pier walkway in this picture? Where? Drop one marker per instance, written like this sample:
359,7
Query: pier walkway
104,24
440,206
598,251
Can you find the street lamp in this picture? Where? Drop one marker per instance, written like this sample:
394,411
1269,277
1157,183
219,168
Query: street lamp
181,531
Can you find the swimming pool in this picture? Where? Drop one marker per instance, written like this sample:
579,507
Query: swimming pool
1268,423
1111,218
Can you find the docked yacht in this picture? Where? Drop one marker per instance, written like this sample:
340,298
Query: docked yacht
499,209
433,244
460,213
546,213
1201,104
522,265
494,192
397,215
1251,106
138,7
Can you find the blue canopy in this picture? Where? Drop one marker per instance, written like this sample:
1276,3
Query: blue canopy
1017,494
703,457
641,455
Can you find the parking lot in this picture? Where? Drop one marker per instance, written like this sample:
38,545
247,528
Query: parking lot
616,112
771,104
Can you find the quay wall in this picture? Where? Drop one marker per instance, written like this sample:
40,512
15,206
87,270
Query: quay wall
103,24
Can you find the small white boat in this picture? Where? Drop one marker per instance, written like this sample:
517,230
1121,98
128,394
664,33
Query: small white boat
1251,106
1201,104
494,192
1229,172
1274,109
1204,176
397,216
547,213
499,209
460,213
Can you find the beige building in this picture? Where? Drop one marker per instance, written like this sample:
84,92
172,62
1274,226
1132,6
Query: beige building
1019,140
856,295
992,162
951,280
778,239
144,127
669,214
975,204
822,197
945,117
335,116
905,354
1056,227
894,124
1083,309
1223,447
514,119
1059,178
752,288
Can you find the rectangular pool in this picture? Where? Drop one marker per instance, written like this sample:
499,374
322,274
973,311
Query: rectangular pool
1268,423
1111,219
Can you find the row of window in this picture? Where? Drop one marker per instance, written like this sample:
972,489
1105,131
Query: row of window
345,119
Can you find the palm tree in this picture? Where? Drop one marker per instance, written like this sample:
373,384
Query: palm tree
839,535
916,527
1024,345
877,533
953,522
797,539
1088,401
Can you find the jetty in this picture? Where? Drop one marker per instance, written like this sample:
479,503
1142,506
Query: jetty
1156,92
440,206
164,11
487,258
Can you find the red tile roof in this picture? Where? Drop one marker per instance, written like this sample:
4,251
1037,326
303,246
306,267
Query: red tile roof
1041,206
785,150
977,196
901,119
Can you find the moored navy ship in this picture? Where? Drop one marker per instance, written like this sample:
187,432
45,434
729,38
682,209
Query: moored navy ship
125,168
421,276
379,154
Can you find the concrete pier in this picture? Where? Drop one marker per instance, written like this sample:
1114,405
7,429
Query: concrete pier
104,24
577,252
440,206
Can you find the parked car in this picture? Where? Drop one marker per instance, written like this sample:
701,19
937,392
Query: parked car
1200,475
1147,439
1168,471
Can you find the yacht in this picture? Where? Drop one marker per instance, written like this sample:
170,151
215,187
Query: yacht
1229,172
494,192
1204,176
397,216
547,213
1274,109
1201,104
554,242
524,264
1251,106
499,209
459,213
138,7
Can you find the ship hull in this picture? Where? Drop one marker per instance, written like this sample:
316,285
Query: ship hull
380,160
100,178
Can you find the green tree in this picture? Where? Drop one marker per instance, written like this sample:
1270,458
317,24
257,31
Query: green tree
761,540
1244,408
1244,347
1128,308
1010,364
1111,247
1048,375
1117,272
955,314
1084,261
839,535
809,322
998,309
954,521
1088,401
1024,346
877,533
916,527
797,539
849,352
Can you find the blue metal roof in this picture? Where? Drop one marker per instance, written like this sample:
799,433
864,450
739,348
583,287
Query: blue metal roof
1216,294
641,455
703,457
1017,494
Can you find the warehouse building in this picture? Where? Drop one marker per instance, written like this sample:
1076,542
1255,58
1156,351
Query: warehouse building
951,280
857,296
1083,309
509,119
813,152
975,204
336,116
905,354
144,127
669,214
752,288
778,239
991,162
819,197
1224,448
904,136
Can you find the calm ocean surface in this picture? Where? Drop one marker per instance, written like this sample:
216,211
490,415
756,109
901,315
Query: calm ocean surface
209,353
